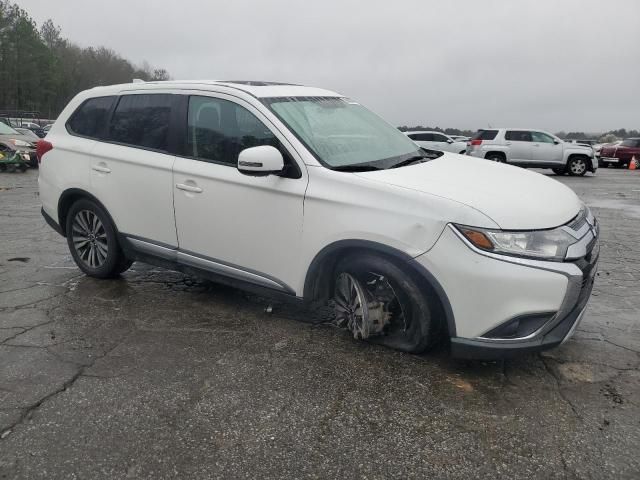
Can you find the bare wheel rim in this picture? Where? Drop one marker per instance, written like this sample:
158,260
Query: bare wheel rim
368,306
89,238
578,166
351,306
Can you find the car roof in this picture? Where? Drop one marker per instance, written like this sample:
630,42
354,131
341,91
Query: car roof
423,131
258,89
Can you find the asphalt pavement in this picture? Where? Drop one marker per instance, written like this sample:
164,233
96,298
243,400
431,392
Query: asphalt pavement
159,375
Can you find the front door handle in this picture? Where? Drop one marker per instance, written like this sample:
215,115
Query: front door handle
102,168
188,188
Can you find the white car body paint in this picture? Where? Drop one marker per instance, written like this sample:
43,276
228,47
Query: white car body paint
275,227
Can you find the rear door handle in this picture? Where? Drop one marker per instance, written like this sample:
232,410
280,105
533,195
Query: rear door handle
188,188
101,168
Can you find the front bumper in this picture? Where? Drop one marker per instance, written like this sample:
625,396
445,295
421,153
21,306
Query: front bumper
481,349
503,306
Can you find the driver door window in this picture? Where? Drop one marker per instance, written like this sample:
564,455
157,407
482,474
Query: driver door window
542,137
218,130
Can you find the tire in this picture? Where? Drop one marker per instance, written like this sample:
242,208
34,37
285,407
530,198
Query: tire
93,241
23,167
462,152
577,166
559,171
496,157
407,324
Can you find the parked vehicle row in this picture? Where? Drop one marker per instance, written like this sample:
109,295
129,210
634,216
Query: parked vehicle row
620,154
13,141
532,149
301,193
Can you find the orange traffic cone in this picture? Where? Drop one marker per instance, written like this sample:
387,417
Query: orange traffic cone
633,164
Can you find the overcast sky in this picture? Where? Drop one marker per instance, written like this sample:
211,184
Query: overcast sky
549,64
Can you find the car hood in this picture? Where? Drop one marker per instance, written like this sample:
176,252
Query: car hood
577,146
514,198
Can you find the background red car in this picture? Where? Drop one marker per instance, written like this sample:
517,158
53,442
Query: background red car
620,155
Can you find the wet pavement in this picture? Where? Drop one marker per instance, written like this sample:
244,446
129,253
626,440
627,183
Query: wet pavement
158,375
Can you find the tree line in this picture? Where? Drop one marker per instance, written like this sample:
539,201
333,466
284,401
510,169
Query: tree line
40,70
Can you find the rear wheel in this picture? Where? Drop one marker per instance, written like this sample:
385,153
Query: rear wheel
380,303
496,157
93,242
577,166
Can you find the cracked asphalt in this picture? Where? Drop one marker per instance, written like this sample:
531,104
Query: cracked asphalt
158,375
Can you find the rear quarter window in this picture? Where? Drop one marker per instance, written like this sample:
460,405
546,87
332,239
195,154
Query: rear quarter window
485,135
90,118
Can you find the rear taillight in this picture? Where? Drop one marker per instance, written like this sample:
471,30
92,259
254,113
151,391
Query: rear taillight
42,147
476,142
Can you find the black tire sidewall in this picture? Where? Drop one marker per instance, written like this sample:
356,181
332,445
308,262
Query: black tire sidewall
421,333
113,263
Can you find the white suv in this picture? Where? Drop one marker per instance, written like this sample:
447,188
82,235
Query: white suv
532,149
437,141
301,193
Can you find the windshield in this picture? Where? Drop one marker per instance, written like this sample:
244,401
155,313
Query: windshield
341,133
630,142
7,130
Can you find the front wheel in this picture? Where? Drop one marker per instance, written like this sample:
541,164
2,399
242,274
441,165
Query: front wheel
93,242
380,303
577,166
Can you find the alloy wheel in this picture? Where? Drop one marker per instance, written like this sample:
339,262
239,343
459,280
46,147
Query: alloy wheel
578,166
90,239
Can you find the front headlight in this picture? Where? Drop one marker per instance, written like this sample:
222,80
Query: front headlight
20,143
541,244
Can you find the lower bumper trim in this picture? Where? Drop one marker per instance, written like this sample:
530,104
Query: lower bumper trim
487,350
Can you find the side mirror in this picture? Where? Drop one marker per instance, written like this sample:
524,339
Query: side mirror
556,142
260,161
449,140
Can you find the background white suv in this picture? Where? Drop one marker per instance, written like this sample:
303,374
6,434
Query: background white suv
302,194
532,149
437,141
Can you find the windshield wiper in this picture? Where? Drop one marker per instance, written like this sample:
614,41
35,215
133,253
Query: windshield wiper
410,160
355,168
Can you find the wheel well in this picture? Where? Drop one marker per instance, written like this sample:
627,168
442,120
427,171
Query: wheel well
319,282
500,154
574,155
68,198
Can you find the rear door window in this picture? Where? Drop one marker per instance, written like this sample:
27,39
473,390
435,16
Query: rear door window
90,119
485,135
142,121
422,137
518,136
439,138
